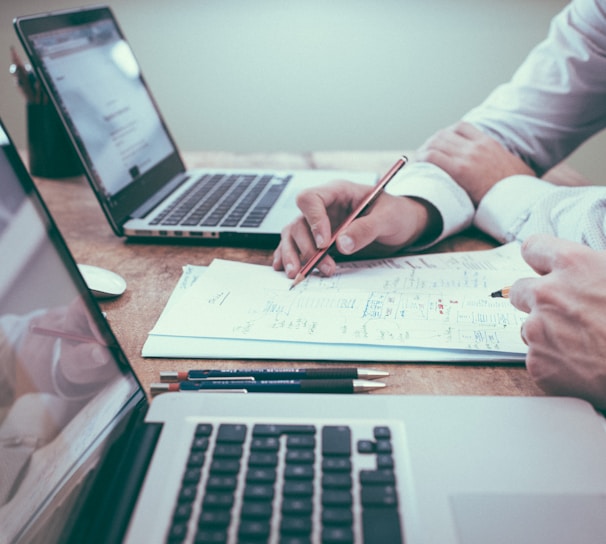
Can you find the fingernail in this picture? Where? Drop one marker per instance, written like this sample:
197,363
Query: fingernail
325,269
289,269
346,244
100,355
319,240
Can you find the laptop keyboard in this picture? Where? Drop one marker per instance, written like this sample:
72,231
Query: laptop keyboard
289,484
224,200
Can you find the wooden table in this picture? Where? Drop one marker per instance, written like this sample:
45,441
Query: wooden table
152,270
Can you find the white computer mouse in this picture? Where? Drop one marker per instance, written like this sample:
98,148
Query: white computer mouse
102,283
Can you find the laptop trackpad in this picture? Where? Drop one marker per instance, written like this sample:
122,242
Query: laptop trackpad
529,519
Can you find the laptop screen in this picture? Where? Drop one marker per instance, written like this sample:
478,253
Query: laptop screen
97,77
64,382
94,78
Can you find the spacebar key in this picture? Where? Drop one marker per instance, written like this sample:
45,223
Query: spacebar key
381,524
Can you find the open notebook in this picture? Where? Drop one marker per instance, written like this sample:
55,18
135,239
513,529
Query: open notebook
433,307
85,458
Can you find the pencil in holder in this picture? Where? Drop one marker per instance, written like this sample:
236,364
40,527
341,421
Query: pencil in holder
51,152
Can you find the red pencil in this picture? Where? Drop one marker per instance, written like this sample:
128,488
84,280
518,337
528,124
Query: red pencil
370,198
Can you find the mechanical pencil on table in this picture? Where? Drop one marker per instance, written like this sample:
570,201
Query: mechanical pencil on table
272,386
56,333
501,293
274,374
368,200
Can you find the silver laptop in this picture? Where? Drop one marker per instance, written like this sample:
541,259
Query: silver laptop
128,154
84,458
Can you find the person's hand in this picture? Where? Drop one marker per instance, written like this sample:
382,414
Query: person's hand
79,362
391,223
472,158
566,326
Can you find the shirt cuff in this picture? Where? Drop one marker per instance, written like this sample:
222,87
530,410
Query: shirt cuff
506,206
428,182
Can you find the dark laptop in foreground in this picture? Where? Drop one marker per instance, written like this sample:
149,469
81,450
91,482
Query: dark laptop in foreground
128,154
84,458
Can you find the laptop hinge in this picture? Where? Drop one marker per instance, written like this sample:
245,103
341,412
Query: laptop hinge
159,196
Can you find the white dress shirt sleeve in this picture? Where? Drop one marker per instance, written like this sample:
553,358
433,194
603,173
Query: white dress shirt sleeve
428,182
520,206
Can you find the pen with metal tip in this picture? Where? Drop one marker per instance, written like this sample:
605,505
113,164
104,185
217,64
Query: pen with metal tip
327,373
275,386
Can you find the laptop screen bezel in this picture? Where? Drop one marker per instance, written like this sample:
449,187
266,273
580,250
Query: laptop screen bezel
118,207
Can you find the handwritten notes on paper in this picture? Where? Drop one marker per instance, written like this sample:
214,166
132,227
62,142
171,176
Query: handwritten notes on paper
439,304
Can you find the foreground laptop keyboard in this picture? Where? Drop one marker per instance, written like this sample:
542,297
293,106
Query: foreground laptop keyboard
224,200
287,484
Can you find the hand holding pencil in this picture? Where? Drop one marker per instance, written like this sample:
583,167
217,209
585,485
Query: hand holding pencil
350,217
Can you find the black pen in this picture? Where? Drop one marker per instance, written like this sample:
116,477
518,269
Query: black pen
275,386
274,374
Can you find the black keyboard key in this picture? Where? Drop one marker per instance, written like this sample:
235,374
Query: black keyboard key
261,475
336,440
341,535
211,536
203,429
214,518
337,516
259,492
301,442
374,495
383,447
228,451
337,480
382,433
183,511
300,456
366,446
296,506
253,529
196,459
337,497
300,525
234,434
192,476
336,465
299,472
265,444
381,525
385,461
200,443
377,477
178,532
294,539
225,466
295,488
256,509
220,501
221,483
262,459
187,493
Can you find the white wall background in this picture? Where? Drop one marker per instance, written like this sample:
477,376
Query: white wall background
299,75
